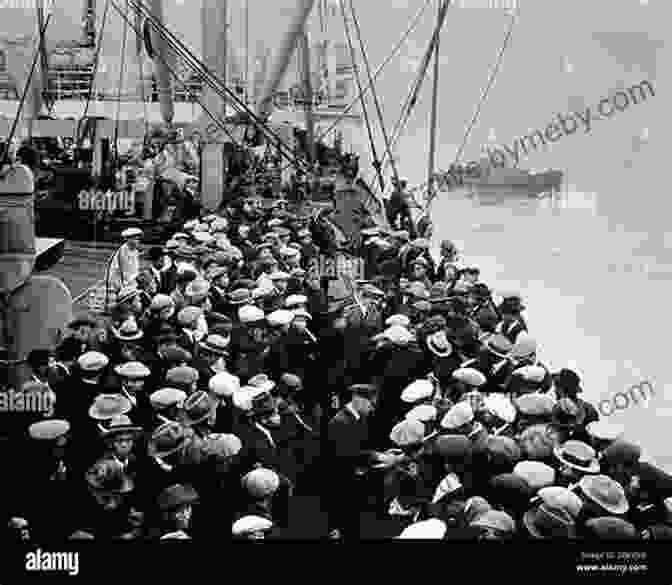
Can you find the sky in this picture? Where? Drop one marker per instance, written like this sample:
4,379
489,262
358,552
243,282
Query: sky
562,56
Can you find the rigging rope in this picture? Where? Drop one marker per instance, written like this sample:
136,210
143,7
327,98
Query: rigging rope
15,123
138,51
376,102
414,23
214,118
412,98
400,43
220,88
474,118
96,57
372,144
121,81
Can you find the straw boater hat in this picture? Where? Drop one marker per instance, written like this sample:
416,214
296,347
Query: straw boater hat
120,425
605,492
549,522
439,345
92,362
577,455
249,525
169,438
133,370
109,406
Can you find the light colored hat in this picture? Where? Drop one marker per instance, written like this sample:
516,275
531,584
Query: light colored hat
189,315
416,391
561,497
177,535
524,346
197,289
605,430
261,482
224,384
536,473
92,361
131,233
535,374
242,399
496,520
133,370
294,300
280,317
401,320
407,432
439,345
166,398
223,445
250,314
460,414
48,430
501,407
129,330
578,455
250,524
432,529
108,406
606,492
261,381
396,334
470,376
422,413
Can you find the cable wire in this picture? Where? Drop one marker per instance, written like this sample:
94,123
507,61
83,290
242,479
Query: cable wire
15,123
216,84
372,144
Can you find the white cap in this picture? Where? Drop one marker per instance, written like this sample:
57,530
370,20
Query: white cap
224,384
531,373
131,233
501,406
417,390
242,399
250,314
279,317
470,376
401,320
249,524
433,529
422,413
294,300
460,414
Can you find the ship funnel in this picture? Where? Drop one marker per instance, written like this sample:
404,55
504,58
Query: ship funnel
17,226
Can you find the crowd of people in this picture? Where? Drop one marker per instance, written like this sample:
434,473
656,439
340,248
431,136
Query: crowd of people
225,384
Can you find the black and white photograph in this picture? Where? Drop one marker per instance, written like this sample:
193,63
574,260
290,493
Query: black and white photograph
335,272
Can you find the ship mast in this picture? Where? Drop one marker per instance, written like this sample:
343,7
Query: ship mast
282,60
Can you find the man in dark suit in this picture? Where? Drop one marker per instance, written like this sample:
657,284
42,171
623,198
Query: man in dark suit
347,458
156,257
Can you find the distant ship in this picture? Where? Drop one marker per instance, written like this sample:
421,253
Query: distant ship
513,181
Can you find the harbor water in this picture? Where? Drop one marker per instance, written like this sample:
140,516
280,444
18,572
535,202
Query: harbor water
596,279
